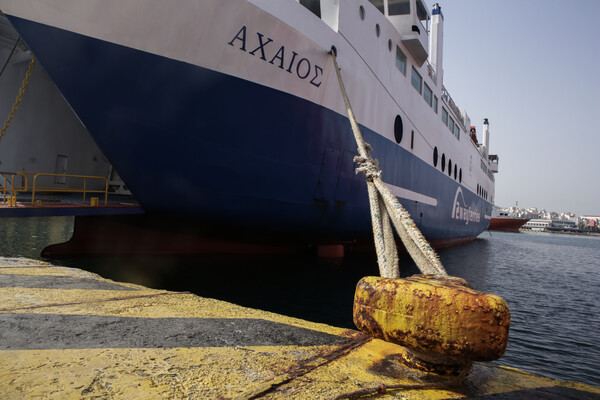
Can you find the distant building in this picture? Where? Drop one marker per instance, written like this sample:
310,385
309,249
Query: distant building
550,225
561,224
590,221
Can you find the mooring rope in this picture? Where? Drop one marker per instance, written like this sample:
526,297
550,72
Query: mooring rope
385,206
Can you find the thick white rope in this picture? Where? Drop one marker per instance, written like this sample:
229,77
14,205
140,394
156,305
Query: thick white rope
385,206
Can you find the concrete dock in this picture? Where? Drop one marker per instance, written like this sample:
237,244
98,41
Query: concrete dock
66,333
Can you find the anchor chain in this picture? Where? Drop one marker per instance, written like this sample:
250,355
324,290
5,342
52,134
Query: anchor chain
15,106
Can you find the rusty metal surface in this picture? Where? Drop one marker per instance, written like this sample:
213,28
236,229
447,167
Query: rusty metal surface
433,316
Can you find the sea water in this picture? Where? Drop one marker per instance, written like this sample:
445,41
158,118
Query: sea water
551,283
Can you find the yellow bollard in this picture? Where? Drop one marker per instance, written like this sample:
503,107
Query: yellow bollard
12,201
442,322
38,203
94,202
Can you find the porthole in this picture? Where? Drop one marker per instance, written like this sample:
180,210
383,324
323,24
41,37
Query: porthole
398,128
361,13
377,30
443,162
455,171
460,176
449,167
390,44
435,156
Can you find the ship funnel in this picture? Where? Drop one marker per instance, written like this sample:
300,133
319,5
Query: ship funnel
436,42
486,138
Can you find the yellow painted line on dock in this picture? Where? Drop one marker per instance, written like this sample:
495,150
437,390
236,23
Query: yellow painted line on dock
66,333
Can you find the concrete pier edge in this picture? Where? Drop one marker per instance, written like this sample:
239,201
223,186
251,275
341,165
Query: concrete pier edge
68,333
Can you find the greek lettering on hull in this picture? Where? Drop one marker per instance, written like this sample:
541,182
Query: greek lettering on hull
263,47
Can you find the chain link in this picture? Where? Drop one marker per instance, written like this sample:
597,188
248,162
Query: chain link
15,106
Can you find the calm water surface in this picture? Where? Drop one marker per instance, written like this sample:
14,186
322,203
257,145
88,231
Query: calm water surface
551,283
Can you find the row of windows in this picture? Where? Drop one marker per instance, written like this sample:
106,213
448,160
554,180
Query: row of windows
456,171
395,7
421,87
486,170
449,122
452,169
482,192
538,224
417,81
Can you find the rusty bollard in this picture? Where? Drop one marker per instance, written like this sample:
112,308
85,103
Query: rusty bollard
441,322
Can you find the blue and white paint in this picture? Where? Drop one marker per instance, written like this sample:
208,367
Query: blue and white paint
229,112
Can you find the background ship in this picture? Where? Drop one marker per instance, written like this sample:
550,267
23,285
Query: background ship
228,113
502,221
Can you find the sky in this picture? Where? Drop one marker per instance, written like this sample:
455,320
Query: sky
532,67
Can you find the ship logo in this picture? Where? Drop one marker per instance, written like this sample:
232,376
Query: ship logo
461,212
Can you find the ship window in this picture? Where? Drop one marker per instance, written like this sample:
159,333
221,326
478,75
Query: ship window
313,5
449,167
390,44
443,162
456,131
377,30
399,7
428,95
361,13
401,60
412,139
435,104
455,171
378,4
422,11
435,156
460,175
416,80
451,125
444,116
398,129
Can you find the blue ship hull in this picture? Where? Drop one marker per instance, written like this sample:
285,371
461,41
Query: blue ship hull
220,150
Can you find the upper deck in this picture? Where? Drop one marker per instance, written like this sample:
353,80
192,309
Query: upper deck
416,81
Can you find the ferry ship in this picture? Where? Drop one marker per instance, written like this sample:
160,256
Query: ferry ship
228,113
503,221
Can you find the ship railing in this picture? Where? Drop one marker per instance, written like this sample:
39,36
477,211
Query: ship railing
431,72
12,187
455,110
